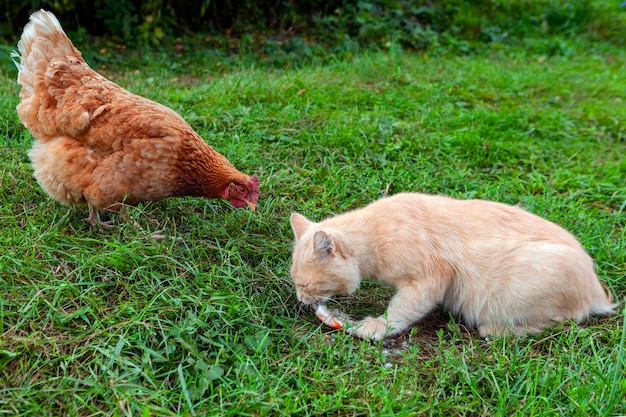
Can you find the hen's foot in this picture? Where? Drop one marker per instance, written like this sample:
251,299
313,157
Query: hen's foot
94,220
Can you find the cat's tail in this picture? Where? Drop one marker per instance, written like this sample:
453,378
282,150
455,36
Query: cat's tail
607,306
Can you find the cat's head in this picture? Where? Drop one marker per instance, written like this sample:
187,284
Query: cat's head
323,264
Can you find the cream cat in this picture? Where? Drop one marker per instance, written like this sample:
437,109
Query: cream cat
499,267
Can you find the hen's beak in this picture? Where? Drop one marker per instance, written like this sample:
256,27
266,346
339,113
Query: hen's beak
251,205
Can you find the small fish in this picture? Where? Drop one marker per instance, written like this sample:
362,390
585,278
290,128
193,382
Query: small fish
322,313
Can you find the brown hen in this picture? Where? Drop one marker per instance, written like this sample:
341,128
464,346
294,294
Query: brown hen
100,144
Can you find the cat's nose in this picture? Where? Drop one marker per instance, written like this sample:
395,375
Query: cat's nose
305,301
298,292
310,301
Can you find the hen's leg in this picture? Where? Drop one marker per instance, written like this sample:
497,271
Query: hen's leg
94,219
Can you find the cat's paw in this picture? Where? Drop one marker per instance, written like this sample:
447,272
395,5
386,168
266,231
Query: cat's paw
370,328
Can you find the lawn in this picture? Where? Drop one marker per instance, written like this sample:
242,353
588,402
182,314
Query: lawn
206,321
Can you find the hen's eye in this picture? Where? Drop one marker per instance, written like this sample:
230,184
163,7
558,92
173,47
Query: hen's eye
241,189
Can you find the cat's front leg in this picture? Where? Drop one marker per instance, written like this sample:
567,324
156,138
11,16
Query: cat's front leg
407,306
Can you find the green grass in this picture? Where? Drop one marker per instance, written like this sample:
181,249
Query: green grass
117,324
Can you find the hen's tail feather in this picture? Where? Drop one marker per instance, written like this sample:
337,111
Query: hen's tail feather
44,50
42,40
43,30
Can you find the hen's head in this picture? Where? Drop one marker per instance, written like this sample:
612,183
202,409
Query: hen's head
243,194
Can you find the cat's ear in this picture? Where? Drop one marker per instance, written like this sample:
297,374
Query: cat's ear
324,244
299,225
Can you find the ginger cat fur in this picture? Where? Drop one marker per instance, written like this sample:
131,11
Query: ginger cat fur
500,268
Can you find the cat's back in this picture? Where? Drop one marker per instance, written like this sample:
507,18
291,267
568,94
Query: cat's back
472,218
